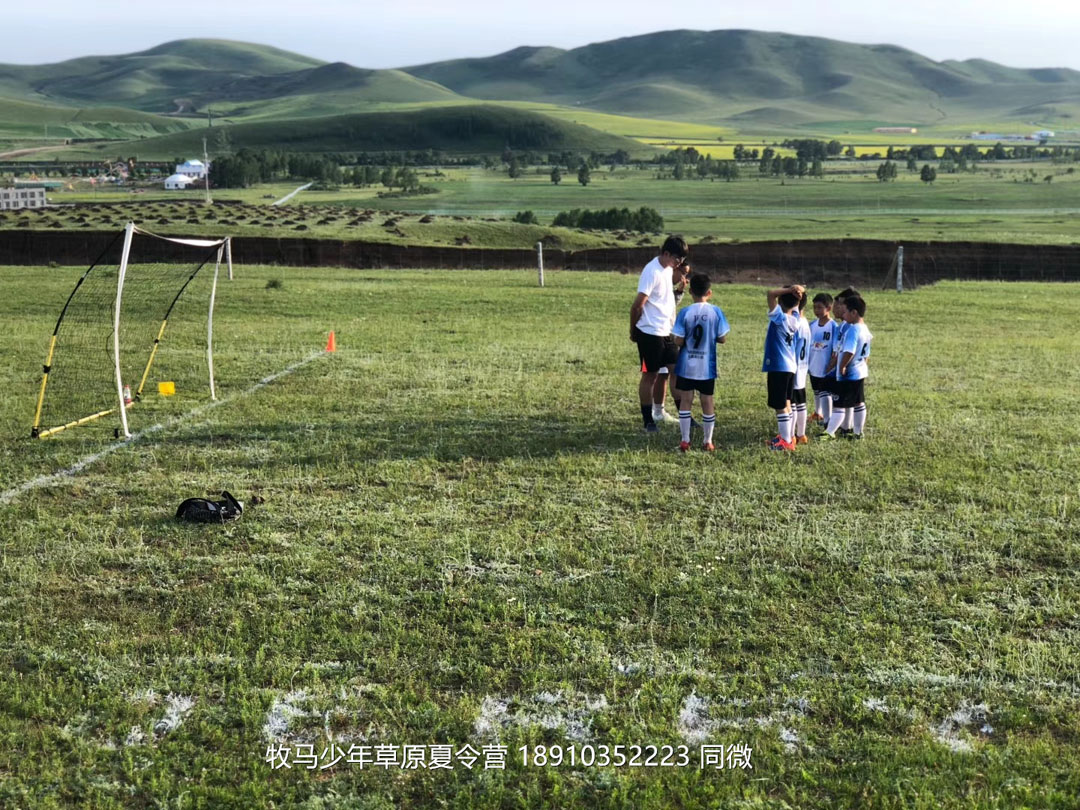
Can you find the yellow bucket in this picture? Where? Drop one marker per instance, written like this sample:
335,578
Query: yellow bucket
166,389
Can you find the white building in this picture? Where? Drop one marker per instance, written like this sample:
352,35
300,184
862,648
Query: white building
178,182
194,169
12,198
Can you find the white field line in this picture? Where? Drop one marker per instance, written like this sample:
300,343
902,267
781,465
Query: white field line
83,463
291,194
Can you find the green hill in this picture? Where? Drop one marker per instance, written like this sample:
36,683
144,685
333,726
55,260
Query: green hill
457,129
156,80
754,80
752,75
27,119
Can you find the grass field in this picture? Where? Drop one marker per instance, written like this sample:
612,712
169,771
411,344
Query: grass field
996,203
467,540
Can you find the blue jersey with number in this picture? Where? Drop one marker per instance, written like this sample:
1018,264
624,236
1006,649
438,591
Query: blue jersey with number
841,330
802,352
856,342
700,325
780,341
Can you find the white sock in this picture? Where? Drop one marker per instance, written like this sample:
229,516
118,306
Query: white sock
710,422
835,422
826,406
684,425
800,419
860,418
849,418
657,411
783,426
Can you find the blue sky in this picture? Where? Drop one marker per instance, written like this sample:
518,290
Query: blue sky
407,32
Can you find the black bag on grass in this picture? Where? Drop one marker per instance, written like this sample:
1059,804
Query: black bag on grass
201,510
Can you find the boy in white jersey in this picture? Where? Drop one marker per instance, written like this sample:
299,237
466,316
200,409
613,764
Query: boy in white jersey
665,381
802,367
851,370
840,315
698,328
822,335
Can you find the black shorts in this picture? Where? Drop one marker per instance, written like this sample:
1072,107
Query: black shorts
781,384
706,387
821,385
798,396
851,393
656,352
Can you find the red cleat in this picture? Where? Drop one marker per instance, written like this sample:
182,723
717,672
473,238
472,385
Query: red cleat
684,446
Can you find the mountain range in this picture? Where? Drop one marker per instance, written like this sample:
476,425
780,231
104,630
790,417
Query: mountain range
750,80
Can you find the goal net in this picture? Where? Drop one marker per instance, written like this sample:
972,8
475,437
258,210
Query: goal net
140,316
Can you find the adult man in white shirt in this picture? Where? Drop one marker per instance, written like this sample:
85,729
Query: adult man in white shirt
651,318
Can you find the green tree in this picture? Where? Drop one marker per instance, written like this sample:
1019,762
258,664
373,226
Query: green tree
912,164
583,174
850,152
556,176
515,168
928,173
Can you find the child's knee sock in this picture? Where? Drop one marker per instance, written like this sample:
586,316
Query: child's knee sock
800,419
710,422
836,421
860,418
684,425
849,418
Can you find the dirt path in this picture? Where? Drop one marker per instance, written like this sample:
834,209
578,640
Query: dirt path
31,151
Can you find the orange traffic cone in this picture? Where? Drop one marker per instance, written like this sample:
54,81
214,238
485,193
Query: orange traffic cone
331,343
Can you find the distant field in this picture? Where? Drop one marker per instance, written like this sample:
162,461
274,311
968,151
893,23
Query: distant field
466,539
993,204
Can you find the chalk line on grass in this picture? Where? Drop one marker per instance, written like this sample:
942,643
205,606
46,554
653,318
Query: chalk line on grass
83,463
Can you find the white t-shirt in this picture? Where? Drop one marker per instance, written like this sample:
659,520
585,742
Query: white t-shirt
821,346
658,315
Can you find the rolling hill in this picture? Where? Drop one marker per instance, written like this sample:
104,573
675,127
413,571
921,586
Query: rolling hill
753,81
754,76
457,129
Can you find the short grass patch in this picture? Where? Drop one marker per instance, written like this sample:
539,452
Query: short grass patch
466,539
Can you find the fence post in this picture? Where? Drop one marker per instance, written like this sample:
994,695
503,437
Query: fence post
540,261
900,269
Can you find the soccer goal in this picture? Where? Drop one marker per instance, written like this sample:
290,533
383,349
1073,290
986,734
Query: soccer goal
133,319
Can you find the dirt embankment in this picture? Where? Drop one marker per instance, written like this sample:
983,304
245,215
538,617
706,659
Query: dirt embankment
820,262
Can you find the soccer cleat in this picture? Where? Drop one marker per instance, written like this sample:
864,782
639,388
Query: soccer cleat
853,435
845,432
652,427
780,444
663,416
684,446
708,447
802,440
816,417
775,439
826,437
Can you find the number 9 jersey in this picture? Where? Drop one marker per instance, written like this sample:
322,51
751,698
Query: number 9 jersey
700,325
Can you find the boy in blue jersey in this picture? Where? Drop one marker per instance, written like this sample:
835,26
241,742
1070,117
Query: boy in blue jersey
780,363
698,328
822,334
851,370
802,369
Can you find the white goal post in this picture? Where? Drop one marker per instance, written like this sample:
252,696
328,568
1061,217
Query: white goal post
76,397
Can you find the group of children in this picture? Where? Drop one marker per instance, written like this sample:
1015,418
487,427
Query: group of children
832,352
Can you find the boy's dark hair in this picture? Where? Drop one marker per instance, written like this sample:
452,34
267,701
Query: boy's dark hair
676,246
855,302
788,300
802,302
700,283
823,298
846,292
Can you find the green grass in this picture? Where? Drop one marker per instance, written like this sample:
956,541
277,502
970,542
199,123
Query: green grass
461,510
993,204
